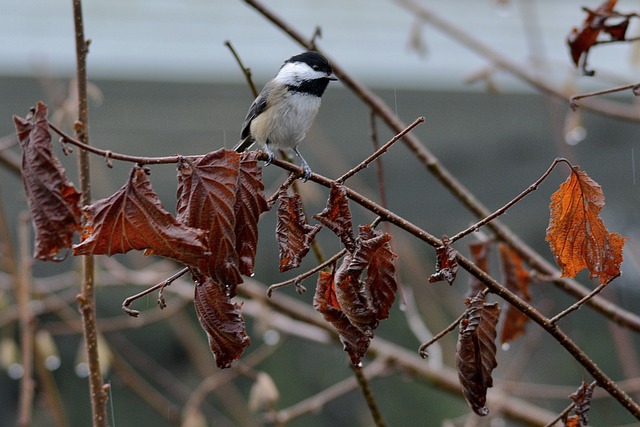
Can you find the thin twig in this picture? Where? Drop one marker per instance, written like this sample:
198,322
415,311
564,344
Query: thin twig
296,280
503,209
573,101
110,155
23,297
168,281
245,70
380,151
578,304
320,400
86,299
422,350
363,382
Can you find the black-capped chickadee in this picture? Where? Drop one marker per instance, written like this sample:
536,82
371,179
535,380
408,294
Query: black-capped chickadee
283,112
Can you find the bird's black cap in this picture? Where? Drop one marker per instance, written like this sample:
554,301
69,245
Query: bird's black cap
314,60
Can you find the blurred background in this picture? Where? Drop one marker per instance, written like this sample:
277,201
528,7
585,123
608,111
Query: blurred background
164,83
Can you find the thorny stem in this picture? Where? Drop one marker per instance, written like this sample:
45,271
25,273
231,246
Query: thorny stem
86,299
612,311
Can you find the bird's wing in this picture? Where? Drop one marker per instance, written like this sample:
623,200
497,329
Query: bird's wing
257,107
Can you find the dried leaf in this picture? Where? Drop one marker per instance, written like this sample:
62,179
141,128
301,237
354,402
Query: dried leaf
53,200
293,234
480,256
582,399
576,233
221,320
133,218
374,248
250,204
517,280
337,216
446,263
354,297
355,342
582,39
207,189
476,352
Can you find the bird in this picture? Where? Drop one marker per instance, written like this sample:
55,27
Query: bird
285,109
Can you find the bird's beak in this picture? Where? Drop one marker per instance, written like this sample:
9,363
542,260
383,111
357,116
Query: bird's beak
332,77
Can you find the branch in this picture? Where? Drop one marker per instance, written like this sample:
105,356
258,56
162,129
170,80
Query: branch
86,300
612,311
380,151
601,106
23,297
504,209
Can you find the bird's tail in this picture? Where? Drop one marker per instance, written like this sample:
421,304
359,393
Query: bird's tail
243,145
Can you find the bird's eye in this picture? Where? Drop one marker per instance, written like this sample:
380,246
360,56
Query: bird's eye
315,67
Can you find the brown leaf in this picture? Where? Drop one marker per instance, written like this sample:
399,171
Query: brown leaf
133,218
354,297
576,233
517,281
293,234
446,263
337,216
476,352
207,189
221,320
374,249
582,39
53,200
480,256
250,204
582,399
355,342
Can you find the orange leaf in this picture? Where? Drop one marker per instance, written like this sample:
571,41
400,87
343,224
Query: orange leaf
53,200
517,281
576,233
133,218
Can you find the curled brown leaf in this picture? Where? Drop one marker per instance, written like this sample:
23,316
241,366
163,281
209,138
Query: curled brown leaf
52,198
